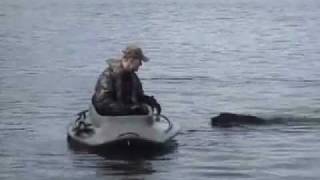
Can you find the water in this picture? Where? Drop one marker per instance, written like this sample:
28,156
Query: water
241,56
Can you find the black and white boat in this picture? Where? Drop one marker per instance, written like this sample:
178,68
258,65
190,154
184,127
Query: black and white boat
94,130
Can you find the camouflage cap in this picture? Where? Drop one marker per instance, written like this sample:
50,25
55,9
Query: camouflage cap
135,52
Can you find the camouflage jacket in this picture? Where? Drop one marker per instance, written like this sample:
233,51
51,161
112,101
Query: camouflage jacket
116,90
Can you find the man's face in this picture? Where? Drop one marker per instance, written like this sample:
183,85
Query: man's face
134,64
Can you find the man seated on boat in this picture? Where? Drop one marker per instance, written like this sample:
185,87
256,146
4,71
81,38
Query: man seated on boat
118,90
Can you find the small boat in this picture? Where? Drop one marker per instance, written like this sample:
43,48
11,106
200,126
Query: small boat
94,130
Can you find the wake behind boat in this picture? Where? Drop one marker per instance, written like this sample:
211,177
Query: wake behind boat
93,130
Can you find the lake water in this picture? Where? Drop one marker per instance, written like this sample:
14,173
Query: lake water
207,56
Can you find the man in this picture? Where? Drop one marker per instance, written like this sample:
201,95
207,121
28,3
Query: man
119,91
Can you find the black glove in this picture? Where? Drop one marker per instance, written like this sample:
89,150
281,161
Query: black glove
150,100
139,109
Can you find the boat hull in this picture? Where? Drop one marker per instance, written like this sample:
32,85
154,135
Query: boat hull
94,130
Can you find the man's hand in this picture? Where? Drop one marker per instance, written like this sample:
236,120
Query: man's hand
150,100
139,109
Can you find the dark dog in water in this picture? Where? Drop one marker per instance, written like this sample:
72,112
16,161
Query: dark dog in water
230,120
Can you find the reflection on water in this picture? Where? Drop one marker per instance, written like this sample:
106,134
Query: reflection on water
121,159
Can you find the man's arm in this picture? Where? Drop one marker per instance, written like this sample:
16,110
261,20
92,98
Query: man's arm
150,100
